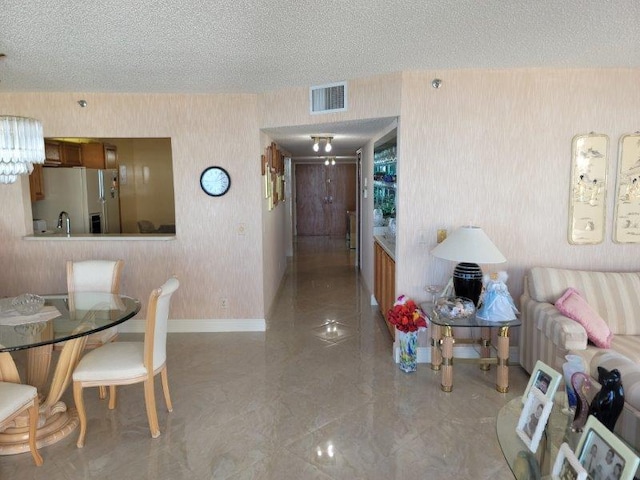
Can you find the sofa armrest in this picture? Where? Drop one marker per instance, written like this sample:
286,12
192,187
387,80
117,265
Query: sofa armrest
565,333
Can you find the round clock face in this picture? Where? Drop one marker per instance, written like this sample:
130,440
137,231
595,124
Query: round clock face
215,181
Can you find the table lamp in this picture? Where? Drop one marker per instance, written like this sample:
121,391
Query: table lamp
469,246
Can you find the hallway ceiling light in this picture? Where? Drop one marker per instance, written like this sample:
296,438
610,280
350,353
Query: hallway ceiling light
21,146
317,140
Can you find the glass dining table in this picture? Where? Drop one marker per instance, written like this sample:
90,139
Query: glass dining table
63,318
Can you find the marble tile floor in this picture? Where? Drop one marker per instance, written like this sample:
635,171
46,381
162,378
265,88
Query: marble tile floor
316,396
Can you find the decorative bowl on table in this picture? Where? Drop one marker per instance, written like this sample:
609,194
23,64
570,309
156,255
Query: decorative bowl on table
454,307
28,303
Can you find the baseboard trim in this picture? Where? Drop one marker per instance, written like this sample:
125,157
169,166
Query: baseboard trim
200,326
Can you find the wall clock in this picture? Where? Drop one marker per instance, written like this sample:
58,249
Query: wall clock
215,181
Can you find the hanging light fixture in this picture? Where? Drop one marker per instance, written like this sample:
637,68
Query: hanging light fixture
316,143
21,146
327,147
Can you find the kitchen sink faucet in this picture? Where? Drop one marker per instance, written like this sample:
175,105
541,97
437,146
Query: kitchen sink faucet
68,222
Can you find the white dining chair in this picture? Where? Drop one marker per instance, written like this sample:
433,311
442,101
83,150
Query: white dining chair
94,276
125,363
15,399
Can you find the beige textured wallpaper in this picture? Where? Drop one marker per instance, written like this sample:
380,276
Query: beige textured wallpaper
491,148
212,260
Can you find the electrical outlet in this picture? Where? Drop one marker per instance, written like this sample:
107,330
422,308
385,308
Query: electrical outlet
224,303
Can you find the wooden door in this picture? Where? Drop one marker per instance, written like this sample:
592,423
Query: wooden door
310,200
324,194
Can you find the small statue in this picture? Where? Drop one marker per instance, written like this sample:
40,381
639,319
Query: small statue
608,402
581,385
497,304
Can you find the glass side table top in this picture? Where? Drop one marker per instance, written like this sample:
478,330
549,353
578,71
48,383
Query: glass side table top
466,321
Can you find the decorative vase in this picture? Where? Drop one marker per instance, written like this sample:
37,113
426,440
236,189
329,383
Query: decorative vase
408,350
573,365
581,384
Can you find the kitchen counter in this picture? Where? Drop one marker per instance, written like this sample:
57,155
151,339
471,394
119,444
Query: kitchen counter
106,237
388,245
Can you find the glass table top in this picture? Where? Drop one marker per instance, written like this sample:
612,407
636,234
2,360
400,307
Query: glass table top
466,321
63,318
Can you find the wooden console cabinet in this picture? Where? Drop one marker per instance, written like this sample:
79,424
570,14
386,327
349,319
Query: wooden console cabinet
384,282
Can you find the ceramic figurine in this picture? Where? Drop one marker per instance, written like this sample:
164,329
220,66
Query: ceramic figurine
497,304
608,402
581,385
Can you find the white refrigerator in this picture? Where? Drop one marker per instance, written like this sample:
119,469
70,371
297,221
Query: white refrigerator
91,197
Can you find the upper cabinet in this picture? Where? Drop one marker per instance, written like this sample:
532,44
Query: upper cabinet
70,154
62,154
52,153
99,155
36,184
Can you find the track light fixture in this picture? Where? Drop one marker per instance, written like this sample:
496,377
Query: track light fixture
327,147
317,140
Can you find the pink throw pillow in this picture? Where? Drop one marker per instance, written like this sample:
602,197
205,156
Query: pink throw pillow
572,305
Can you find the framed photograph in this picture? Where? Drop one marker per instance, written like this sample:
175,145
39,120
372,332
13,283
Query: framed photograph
567,466
626,227
603,455
545,379
533,418
587,201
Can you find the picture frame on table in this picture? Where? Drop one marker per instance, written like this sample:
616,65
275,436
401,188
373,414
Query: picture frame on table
567,466
533,419
603,455
545,379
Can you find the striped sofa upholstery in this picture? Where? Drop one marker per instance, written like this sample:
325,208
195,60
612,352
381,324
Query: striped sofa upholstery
548,335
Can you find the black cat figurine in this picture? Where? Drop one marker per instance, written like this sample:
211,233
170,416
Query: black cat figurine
608,402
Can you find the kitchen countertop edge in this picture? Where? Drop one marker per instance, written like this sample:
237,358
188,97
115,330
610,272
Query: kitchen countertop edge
387,245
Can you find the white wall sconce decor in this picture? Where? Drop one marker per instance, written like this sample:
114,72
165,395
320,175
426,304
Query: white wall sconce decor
587,201
626,226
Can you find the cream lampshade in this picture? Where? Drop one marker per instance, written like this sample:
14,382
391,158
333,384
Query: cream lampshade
469,246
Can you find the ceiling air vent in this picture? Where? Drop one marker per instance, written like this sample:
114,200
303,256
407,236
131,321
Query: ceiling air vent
328,98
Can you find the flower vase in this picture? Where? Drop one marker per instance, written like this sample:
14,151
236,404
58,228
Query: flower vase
573,365
408,350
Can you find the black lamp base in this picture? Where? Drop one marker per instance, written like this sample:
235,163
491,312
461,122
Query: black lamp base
467,281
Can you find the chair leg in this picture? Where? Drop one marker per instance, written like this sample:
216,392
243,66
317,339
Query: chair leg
150,402
34,413
82,415
102,392
112,397
165,388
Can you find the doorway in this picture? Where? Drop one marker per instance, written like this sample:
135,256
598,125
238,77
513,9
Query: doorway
324,195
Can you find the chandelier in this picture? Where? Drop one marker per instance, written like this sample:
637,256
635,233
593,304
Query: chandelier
21,146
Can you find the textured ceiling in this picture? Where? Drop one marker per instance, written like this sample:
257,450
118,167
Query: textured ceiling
199,46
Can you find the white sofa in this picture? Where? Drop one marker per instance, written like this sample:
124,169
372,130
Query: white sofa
548,335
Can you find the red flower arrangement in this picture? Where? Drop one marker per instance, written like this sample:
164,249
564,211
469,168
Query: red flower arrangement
406,315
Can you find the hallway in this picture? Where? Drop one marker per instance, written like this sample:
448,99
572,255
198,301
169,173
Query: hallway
316,396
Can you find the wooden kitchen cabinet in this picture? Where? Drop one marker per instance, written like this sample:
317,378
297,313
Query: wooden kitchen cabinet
52,155
384,282
36,184
70,154
99,155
